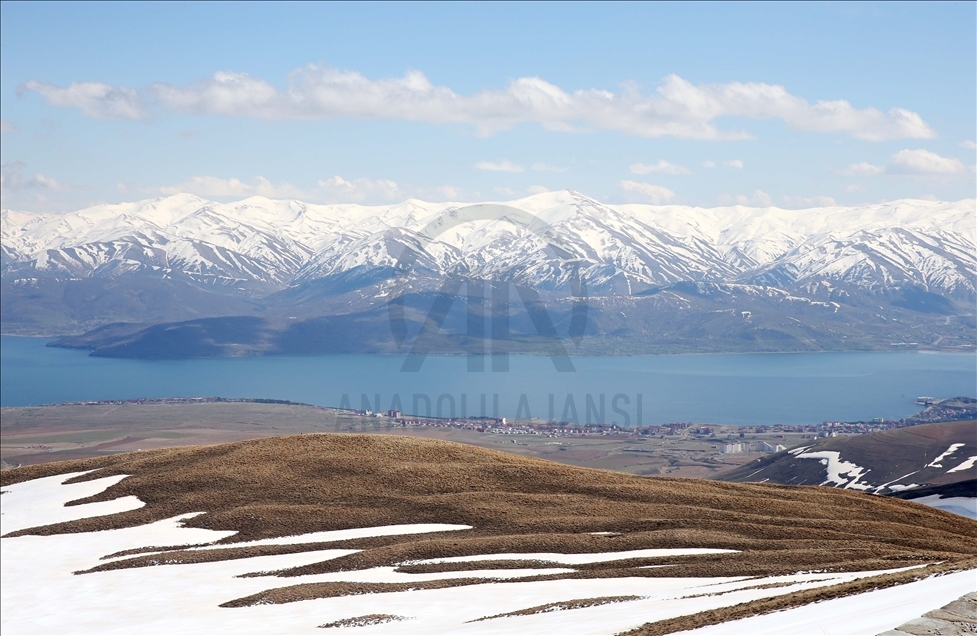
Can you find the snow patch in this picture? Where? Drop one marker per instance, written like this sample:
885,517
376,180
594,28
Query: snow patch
857,615
963,506
836,467
936,462
40,594
574,559
967,464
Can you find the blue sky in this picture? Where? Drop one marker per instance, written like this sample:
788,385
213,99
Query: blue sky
703,104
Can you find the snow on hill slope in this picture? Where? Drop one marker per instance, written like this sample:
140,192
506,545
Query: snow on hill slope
413,536
928,457
622,249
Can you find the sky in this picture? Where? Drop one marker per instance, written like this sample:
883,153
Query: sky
792,105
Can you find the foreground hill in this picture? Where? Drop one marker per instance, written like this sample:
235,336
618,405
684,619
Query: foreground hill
888,462
307,518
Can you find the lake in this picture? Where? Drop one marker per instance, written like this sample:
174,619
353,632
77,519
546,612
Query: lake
789,388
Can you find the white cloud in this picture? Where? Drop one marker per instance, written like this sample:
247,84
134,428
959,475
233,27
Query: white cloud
12,178
923,162
734,163
678,108
7,127
855,187
448,193
759,197
656,194
662,167
498,166
816,201
358,190
862,169
336,189
969,144
92,98
708,163
543,167
917,162
208,186
509,192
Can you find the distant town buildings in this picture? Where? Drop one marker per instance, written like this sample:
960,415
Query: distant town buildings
751,447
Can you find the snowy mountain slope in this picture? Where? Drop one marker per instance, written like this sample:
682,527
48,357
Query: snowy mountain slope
873,260
259,246
285,242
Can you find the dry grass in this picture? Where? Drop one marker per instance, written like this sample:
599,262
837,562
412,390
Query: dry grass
308,483
362,621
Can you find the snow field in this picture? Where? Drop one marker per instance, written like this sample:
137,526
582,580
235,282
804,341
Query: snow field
42,595
41,502
864,614
574,559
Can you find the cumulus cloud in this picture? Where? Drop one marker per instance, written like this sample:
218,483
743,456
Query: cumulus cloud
12,178
862,169
336,189
7,127
734,163
650,192
511,193
816,201
498,166
677,108
759,197
209,186
923,162
917,162
969,144
92,98
661,167
708,163
357,190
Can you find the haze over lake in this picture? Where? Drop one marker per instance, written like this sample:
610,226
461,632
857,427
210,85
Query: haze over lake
797,388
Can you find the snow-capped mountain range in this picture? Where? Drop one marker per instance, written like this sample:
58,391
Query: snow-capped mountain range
259,245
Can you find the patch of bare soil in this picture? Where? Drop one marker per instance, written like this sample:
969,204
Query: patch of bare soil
286,486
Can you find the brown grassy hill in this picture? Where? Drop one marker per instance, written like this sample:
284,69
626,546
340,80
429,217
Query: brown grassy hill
307,483
898,457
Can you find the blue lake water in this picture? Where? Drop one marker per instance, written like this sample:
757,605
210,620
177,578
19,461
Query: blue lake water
801,388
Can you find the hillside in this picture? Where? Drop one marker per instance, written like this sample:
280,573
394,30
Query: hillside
887,462
355,527
260,277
